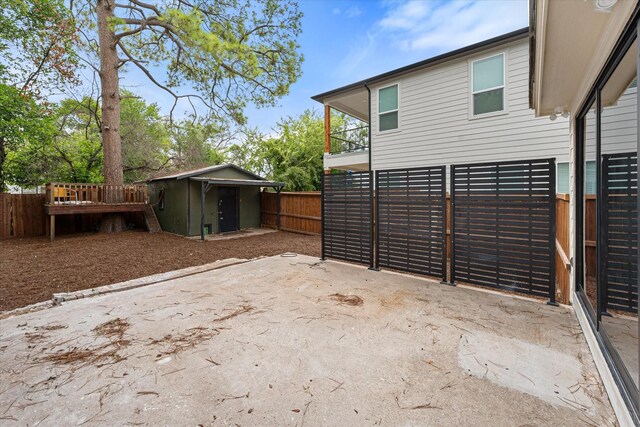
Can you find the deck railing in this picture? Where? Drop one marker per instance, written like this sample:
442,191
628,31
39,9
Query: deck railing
60,194
350,140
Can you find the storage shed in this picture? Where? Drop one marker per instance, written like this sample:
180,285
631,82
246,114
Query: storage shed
214,199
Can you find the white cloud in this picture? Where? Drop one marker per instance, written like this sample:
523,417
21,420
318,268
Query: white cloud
418,26
350,12
414,30
353,11
405,17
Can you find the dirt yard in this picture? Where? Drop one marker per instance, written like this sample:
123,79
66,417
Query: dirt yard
32,269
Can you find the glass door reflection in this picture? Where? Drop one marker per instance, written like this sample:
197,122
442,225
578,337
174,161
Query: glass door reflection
619,189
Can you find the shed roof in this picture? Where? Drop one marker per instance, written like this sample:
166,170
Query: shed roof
239,182
196,172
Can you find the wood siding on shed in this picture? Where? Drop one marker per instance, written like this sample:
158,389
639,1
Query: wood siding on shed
178,218
173,218
249,206
436,128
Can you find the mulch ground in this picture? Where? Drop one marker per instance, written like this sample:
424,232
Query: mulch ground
33,269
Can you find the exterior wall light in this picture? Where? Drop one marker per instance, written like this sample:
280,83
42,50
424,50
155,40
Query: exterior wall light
604,6
559,111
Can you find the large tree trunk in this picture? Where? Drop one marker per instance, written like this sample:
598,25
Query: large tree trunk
111,144
2,157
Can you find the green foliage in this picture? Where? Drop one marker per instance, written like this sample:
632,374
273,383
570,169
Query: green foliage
196,144
78,144
145,138
225,54
26,130
231,52
294,156
71,151
37,39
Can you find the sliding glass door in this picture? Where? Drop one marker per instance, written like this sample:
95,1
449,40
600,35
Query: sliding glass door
607,214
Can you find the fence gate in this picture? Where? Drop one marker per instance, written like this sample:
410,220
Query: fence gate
411,220
619,235
503,225
347,217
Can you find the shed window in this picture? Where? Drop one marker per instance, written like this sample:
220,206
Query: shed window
487,85
388,108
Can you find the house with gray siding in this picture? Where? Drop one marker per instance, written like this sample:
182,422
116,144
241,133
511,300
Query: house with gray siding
466,106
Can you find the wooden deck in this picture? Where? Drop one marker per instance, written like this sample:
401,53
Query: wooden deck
78,198
67,199
97,208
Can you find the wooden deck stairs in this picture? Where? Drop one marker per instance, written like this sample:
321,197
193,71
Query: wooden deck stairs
150,219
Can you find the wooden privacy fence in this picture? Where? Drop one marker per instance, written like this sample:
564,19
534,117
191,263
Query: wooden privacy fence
563,260
23,215
563,264
299,212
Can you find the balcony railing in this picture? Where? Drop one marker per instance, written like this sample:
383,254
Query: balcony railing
62,194
350,140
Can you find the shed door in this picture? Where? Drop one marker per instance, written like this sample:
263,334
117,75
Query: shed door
227,209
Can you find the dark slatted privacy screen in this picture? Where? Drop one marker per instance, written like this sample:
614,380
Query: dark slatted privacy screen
411,206
620,242
503,228
346,210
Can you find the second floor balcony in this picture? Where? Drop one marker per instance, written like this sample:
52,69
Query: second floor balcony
346,135
351,140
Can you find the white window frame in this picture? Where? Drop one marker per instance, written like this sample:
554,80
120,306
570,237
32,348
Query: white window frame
505,106
378,113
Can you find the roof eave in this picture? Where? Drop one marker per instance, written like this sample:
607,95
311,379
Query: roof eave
205,170
232,181
532,49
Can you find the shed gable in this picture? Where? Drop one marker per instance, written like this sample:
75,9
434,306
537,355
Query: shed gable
230,172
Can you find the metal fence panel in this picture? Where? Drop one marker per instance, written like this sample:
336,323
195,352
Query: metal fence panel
503,225
347,217
411,220
619,234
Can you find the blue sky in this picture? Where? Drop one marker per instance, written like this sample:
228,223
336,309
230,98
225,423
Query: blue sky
346,41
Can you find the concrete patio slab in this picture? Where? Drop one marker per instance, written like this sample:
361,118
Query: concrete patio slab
293,341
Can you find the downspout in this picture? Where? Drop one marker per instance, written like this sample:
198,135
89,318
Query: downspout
369,133
374,220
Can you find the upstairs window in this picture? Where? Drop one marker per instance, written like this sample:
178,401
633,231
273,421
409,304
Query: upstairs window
388,108
487,85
